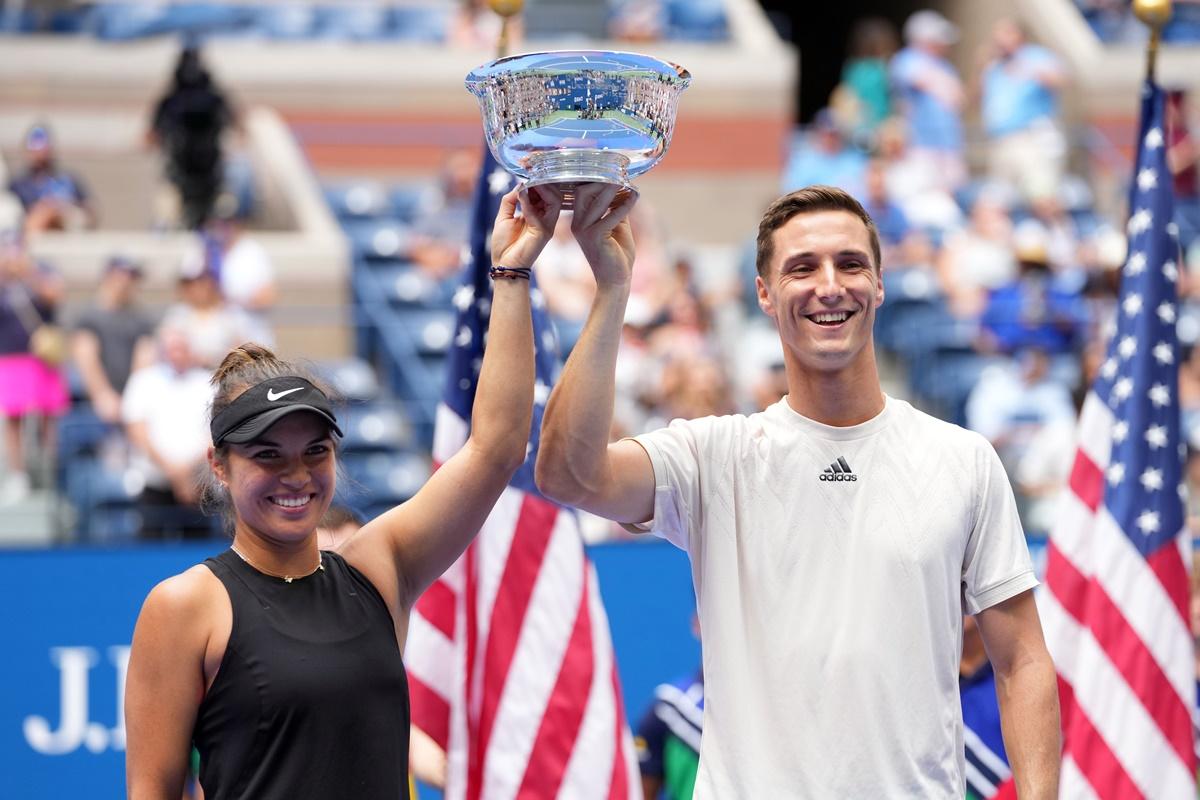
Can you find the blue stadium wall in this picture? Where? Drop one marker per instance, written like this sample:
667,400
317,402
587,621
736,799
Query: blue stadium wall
69,618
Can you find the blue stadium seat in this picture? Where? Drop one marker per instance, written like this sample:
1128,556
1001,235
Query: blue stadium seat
123,21
80,433
358,200
946,379
911,297
390,478
697,20
924,328
406,285
355,21
374,427
432,329
427,23
104,499
286,21
353,378
18,20
407,199
378,239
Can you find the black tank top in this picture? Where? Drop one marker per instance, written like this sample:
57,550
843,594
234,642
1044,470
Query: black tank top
311,698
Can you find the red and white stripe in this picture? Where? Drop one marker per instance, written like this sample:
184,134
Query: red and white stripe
1117,627
510,660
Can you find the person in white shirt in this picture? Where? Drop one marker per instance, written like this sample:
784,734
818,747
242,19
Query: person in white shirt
835,538
165,411
246,276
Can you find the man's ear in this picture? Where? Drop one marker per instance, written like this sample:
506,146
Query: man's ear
764,299
879,287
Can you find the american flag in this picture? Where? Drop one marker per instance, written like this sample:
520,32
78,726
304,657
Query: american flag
510,661
1115,604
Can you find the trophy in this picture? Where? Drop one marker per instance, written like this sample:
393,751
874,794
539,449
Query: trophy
578,116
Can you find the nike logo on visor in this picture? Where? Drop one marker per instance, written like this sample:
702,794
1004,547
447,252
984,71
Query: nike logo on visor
272,395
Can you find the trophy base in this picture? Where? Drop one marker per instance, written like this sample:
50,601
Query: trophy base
570,168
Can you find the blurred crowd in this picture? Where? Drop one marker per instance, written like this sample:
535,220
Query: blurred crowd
1000,268
1114,21
138,372
459,23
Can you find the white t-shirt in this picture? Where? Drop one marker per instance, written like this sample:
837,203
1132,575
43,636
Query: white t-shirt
175,410
832,567
245,271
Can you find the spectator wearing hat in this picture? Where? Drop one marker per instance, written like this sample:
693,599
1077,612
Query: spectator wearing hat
1037,308
929,94
52,198
825,157
112,337
1020,84
244,272
212,325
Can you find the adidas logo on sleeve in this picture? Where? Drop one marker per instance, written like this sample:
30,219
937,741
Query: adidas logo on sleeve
838,471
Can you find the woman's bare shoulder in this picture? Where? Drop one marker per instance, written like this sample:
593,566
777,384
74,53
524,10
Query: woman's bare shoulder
191,596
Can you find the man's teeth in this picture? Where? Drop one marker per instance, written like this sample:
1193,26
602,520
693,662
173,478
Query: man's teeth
290,502
836,316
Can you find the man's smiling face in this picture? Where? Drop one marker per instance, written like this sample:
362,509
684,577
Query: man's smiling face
822,289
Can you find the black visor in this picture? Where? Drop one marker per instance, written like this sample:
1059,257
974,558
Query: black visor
264,404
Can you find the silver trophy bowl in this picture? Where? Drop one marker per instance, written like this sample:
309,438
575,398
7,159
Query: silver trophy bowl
578,116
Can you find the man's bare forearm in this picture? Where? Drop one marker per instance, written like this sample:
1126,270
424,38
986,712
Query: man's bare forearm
1029,717
578,417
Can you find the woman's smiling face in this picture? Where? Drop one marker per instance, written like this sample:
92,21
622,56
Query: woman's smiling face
282,483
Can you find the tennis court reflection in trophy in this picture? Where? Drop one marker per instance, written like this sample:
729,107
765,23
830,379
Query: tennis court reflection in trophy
578,116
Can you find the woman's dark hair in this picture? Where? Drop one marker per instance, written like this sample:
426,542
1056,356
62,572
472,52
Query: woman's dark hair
243,367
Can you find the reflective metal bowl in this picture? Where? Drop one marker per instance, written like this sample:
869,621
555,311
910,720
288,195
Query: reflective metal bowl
576,116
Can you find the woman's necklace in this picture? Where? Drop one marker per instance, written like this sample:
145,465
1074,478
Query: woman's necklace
286,578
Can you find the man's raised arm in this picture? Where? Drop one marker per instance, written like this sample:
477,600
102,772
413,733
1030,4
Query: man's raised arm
576,465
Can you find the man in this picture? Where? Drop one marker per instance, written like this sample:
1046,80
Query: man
112,338
52,198
835,538
165,411
930,95
1020,85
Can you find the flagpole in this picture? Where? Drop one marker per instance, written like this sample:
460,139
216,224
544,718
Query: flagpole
1154,14
507,9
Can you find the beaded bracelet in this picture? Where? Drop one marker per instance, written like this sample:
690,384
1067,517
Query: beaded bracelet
509,273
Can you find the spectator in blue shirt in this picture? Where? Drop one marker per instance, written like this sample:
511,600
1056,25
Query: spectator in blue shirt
889,218
823,156
1035,309
52,199
1020,85
929,93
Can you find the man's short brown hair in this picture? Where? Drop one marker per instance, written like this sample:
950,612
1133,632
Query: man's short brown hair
806,201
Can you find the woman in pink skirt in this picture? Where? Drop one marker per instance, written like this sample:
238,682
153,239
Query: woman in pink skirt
29,293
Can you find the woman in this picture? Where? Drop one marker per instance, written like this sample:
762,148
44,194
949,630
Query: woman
280,661
30,387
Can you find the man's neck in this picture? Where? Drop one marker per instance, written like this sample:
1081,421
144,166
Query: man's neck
838,399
